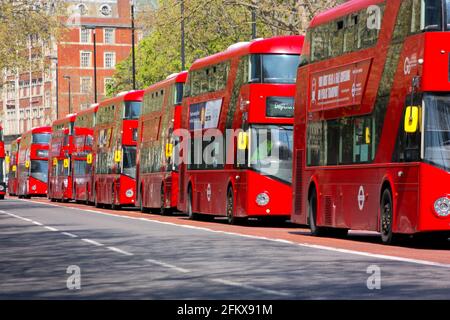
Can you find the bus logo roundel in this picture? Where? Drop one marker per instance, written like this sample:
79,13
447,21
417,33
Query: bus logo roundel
208,192
361,198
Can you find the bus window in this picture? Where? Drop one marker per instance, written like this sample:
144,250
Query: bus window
41,138
274,68
271,151
129,162
431,15
132,110
39,170
448,14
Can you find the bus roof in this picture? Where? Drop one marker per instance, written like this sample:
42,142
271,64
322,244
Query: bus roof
276,45
135,95
342,10
45,129
68,118
92,109
173,78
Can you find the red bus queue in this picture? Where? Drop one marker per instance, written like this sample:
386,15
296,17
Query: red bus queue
368,137
33,163
2,166
13,177
372,122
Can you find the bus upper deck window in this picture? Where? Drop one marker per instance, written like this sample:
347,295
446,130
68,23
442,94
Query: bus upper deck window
447,8
431,16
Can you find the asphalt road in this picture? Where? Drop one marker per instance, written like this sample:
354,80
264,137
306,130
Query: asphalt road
123,257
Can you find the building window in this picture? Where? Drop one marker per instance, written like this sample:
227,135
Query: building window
105,10
84,106
85,85
85,35
110,60
109,35
85,59
107,83
82,9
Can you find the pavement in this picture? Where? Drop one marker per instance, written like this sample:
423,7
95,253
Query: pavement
71,251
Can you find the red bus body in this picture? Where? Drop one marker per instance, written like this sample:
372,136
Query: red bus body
60,181
115,137
33,162
2,166
238,100
360,161
83,155
158,187
13,172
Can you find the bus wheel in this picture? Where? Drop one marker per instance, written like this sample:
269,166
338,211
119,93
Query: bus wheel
96,204
141,204
114,206
312,213
190,212
163,210
230,207
386,218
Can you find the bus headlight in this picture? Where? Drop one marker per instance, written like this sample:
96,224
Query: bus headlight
2,188
129,193
442,207
34,187
262,199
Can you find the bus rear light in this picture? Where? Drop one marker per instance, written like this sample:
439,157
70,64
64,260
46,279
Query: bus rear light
442,207
262,199
33,188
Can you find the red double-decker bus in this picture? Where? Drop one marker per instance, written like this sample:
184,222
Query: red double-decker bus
13,172
2,166
157,171
60,182
115,137
372,122
33,162
83,155
246,91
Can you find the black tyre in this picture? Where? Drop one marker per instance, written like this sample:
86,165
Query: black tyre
231,217
163,210
190,212
141,203
312,214
386,217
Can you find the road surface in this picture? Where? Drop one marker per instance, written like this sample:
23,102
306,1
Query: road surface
129,255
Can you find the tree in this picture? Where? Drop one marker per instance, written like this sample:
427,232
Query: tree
21,21
210,26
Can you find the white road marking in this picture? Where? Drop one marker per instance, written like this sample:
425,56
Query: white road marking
169,266
69,234
120,251
305,245
95,243
249,287
51,228
37,223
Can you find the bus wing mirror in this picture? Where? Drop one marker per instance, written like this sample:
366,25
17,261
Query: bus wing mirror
27,164
412,116
242,140
118,156
55,162
169,150
89,158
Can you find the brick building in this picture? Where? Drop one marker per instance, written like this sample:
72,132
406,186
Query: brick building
40,95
